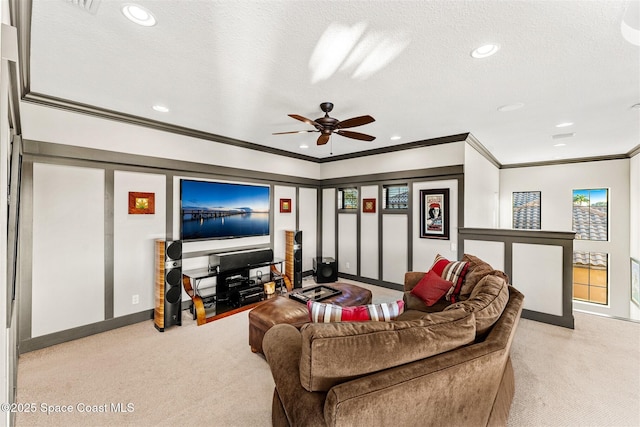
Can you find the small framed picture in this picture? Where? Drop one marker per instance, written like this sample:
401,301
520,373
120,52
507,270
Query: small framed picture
141,203
369,205
285,205
434,214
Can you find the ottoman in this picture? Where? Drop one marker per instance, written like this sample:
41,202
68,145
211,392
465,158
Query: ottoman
283,309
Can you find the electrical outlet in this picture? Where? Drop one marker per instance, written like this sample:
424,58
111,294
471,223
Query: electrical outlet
454,247
347,265
135,299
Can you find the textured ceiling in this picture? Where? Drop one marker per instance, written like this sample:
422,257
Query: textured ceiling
237,68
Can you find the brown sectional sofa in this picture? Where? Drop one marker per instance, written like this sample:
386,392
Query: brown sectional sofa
444,368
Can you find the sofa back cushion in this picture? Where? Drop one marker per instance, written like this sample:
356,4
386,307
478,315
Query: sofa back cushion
336,352
477,270
320,312
487,300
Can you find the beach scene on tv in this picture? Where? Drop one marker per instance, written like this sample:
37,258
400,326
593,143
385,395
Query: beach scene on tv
217,210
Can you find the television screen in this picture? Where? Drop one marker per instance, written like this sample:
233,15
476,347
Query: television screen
218,210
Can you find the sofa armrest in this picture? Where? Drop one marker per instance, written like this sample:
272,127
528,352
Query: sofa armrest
282,346
411,279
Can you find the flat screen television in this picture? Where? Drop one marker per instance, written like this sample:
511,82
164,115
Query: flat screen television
220,210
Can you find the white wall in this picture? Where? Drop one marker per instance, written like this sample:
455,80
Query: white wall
133,241
329,222
634,220
283,221
308,223
395,247
348,243
425,250
418,158
7,334
481,188
68,248
557,182
369,234
63,127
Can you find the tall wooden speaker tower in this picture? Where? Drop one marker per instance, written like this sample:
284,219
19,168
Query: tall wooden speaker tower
168,284
293,257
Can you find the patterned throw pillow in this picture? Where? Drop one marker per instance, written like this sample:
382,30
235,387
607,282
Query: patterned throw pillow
431,288
324,313
453,271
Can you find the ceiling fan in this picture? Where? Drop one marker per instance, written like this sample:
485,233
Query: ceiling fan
327,125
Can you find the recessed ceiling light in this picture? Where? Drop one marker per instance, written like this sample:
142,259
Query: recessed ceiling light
139,15
304,146
511,107
395,137
161,108
563,135
564,125
485,51
559,145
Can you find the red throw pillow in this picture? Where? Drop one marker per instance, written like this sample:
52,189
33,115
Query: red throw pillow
453,271
431,288
320,312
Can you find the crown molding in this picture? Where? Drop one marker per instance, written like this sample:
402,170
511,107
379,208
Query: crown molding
63,104
473,142
634,151
566,161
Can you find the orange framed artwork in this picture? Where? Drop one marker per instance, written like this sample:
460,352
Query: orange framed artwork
141,203
285,205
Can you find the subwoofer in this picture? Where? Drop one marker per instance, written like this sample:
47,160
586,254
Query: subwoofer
325,270
167,311
293,257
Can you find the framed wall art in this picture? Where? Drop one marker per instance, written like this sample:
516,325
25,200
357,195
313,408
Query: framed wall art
434,214
635,281
142,203
369,205
527,210
285,205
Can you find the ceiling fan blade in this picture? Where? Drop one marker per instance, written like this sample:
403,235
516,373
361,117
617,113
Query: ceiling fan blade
304,119
323,139
355,135
295,131
355,121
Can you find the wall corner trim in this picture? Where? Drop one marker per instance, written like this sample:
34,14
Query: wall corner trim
473,142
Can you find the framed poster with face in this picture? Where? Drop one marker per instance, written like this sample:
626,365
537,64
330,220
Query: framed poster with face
434,214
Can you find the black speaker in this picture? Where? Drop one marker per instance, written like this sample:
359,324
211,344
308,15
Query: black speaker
168,284
239,259
293,257
325,270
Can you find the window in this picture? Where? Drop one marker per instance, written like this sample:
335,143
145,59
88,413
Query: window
526,210
590,277
395,196
591,214
348,198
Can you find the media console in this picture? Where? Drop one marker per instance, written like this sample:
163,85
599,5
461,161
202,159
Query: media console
235,287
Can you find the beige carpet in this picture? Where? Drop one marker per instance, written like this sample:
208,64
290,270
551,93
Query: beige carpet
206,375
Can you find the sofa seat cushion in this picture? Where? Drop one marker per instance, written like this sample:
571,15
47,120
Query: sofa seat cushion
487,300
336,352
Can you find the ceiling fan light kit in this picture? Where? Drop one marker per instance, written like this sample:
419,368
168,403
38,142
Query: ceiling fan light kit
328,125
